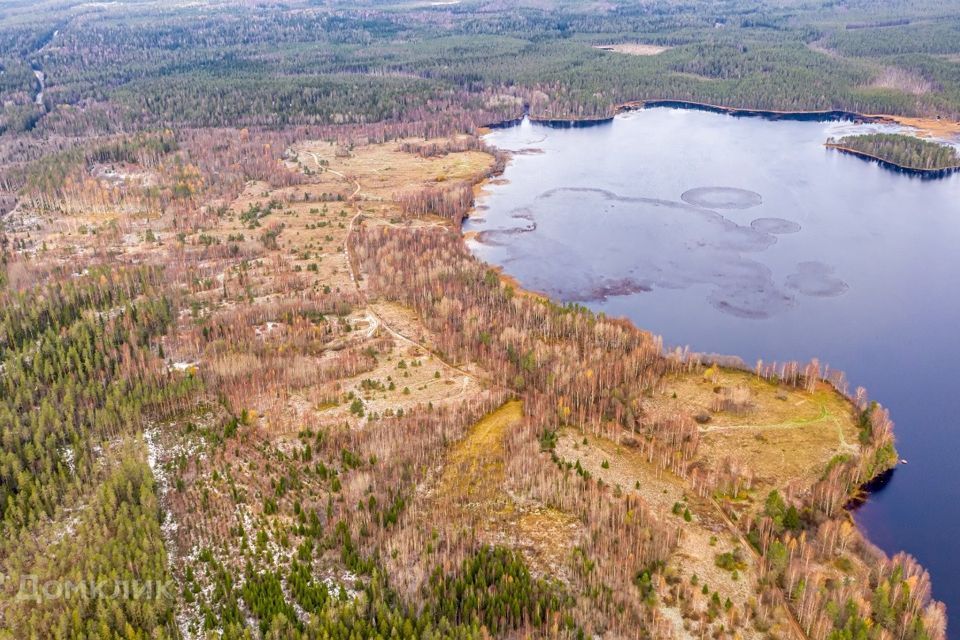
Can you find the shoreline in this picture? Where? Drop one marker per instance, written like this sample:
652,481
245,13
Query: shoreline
928,174
857,496
862,494
825,115
925,127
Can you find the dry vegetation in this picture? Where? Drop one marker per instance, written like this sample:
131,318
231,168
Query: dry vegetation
902,80
783,435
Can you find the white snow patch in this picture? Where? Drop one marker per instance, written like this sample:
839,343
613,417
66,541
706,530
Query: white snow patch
67,454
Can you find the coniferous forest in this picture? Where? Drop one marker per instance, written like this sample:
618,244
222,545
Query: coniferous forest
904,151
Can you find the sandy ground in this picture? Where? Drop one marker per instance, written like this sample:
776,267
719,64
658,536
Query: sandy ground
634,49
927,127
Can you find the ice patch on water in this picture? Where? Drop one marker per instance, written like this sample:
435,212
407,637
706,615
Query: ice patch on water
722,198
816,279
775,226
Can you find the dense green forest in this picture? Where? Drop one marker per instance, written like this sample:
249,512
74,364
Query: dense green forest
908,152
81,375
109,68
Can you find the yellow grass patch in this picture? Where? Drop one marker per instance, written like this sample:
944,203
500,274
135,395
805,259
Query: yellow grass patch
384,169
475,470
928,127
472,484
780,433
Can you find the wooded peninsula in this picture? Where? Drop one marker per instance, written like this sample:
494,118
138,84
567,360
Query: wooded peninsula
901,151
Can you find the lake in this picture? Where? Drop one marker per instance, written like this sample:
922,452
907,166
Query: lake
746,236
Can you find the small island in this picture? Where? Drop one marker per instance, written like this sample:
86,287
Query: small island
902,152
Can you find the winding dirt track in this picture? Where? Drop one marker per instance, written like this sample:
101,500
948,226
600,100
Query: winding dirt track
377,320
735,530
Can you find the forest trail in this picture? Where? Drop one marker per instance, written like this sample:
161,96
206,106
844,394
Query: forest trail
787,424
378,321
782,601
735,530
41,79
320,167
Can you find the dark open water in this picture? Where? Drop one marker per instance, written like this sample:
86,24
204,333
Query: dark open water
746,236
